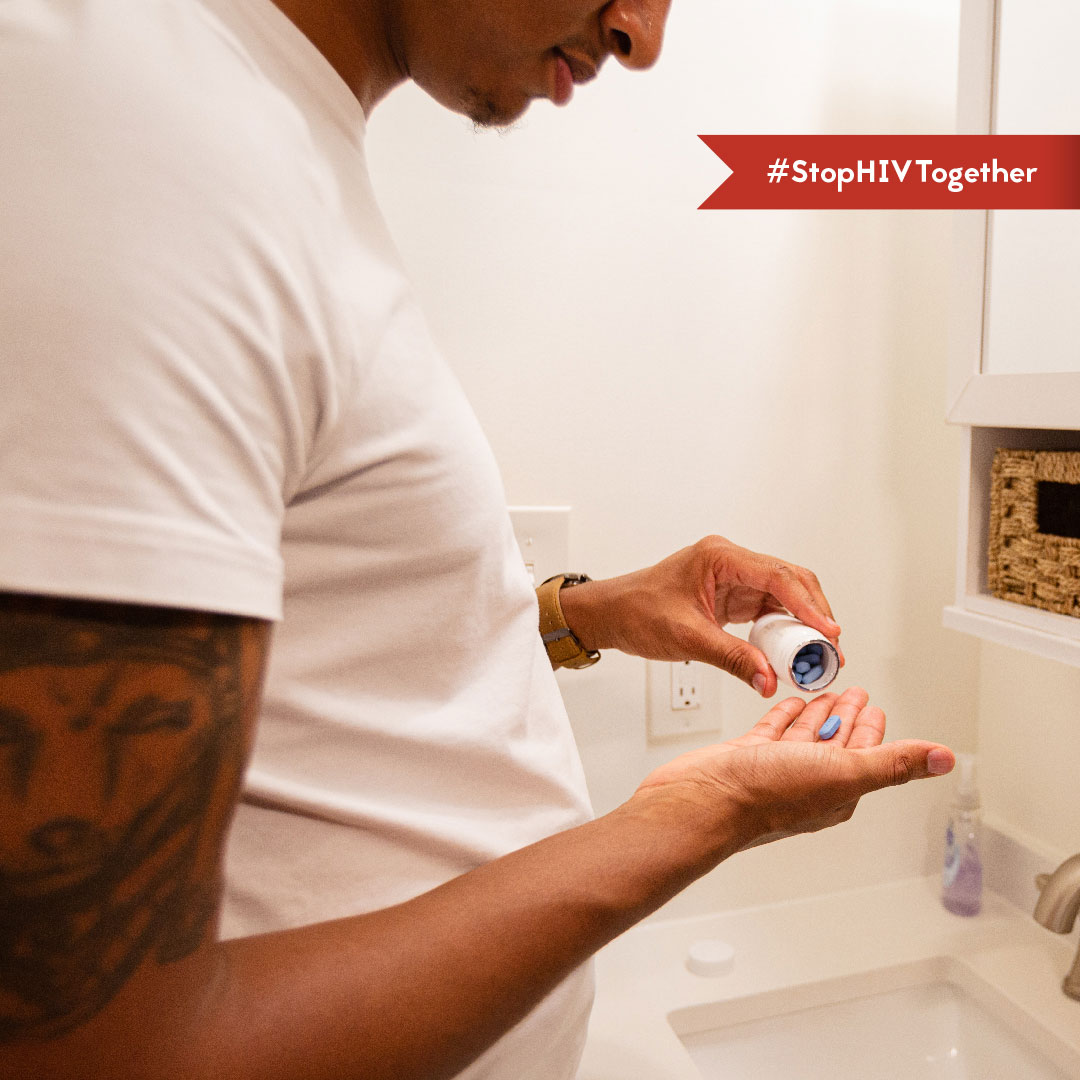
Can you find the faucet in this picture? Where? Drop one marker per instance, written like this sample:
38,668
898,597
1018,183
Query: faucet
1057,909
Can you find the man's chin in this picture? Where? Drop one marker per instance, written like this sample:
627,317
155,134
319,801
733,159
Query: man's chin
487,112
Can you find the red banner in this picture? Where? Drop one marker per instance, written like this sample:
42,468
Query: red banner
897,172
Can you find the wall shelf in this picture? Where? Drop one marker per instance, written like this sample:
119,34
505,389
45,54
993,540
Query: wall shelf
1006,623
975,610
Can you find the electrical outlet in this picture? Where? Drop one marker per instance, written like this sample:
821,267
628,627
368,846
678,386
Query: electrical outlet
681,699
685,686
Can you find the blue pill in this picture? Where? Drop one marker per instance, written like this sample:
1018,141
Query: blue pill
830,727
803,666
814,674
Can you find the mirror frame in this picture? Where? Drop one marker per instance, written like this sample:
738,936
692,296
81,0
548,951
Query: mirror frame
1050,400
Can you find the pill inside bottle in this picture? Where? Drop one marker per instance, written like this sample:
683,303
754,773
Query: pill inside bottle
798,653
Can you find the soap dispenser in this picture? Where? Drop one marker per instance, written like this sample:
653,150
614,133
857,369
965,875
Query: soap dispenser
961,890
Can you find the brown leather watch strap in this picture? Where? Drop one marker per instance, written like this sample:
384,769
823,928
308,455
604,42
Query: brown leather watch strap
563,649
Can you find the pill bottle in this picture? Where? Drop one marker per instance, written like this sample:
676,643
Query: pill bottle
785,641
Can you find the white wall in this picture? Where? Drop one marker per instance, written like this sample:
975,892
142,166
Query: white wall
1029,749
777,377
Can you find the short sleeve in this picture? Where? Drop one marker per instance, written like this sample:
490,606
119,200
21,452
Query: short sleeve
159,343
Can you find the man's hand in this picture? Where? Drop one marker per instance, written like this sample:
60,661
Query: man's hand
780,778
677,609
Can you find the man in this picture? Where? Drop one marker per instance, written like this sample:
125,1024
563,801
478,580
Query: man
221,406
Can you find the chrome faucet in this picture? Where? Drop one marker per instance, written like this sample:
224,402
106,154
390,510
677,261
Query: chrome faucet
1057,909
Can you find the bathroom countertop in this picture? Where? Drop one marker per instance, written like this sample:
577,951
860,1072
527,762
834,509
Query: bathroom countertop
792,952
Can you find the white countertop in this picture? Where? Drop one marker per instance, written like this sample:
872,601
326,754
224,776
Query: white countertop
799,953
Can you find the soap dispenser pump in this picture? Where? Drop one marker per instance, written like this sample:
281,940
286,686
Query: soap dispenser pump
961,891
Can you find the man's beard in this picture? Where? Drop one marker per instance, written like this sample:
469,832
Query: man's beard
486,113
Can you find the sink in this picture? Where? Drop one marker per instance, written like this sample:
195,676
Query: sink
935,1020
878,983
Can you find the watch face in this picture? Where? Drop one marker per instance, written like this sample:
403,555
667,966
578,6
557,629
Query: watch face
575,579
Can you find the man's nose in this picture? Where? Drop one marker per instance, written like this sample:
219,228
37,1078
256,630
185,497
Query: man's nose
634,30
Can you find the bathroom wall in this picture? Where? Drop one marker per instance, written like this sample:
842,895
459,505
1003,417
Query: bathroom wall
777,377
1029,749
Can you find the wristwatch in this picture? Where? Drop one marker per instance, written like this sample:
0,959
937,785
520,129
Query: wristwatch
563,649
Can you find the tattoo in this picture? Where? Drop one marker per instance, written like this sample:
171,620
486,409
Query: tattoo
122,747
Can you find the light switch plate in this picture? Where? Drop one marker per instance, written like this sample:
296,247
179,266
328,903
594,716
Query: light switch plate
543,535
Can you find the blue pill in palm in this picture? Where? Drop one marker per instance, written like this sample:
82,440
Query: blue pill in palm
814,674
830,727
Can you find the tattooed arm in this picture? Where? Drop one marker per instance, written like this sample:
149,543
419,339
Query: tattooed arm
123,735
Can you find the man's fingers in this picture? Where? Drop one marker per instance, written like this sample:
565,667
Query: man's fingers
739,658
778,719
899,762
799,590
869,729
845,709
794,587
805,729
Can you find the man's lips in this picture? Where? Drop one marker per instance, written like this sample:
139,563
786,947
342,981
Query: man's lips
569,70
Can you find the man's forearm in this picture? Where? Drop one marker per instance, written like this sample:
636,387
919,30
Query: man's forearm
421,989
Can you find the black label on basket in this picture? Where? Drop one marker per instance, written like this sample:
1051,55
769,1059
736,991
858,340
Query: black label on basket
1059,509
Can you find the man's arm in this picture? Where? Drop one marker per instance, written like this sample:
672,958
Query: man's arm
123,732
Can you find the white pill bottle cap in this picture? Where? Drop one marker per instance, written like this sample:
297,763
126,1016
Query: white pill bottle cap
782,637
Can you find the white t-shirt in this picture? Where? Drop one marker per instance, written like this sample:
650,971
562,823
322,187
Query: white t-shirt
219,393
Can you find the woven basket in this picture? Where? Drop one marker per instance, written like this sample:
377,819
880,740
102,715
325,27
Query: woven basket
1029,489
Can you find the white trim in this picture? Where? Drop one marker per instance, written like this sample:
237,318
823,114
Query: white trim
971,228
978,50
993,627
970,233
1050,400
